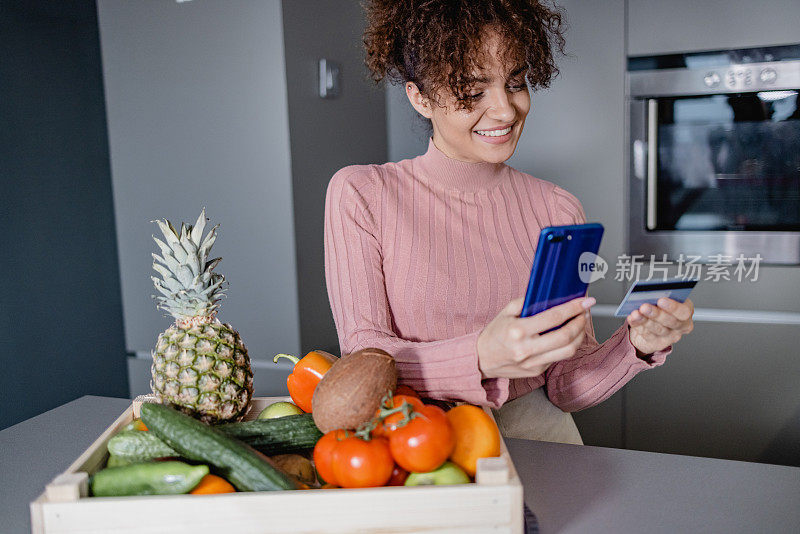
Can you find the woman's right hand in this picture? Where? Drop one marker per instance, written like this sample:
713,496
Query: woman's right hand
512,347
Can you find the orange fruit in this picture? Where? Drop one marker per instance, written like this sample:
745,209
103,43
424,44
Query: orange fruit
212,484
477,436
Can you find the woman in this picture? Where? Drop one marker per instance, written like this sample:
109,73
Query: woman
426,258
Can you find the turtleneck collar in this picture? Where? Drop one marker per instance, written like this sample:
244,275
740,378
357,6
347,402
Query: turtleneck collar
444,172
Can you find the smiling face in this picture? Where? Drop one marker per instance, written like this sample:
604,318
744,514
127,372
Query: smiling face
489,132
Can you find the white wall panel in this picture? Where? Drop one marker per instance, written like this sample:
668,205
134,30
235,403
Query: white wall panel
197,116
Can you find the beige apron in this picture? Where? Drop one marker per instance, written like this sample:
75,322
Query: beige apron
533,416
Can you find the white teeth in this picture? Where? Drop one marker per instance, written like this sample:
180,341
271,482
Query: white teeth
493,133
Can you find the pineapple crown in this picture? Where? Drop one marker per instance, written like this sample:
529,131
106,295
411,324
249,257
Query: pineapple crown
188,286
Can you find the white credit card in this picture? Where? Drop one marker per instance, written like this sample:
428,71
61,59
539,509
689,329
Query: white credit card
650,291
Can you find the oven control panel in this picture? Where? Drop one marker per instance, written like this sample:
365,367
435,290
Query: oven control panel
741,78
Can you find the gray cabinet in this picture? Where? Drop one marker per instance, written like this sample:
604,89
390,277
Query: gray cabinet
727,391
604,425
659,27
197,116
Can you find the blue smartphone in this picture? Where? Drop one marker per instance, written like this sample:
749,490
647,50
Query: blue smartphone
562,267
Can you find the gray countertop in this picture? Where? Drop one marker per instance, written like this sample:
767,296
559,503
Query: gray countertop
570,488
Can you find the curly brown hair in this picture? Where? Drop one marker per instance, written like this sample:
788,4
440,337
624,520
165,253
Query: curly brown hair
437,43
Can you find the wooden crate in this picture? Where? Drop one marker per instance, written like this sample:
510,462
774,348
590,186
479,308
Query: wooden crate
492,504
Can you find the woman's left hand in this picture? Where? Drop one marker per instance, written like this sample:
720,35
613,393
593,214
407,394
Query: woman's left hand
654,328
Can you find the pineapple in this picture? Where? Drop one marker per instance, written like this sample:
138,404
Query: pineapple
200,365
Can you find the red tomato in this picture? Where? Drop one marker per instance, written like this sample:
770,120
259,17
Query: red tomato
403,389
389,423
362,464
425,443
399,476
322,454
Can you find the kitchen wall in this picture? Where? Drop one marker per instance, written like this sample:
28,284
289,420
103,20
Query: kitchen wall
325,135
60,309
243,79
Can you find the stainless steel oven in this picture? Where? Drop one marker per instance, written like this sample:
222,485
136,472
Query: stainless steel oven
713,151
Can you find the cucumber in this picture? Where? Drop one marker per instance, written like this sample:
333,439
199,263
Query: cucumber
283,435
135,445
151,478
243,466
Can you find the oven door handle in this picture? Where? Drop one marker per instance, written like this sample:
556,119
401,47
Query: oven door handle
652,161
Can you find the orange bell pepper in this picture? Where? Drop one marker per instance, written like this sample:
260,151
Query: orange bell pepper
307,373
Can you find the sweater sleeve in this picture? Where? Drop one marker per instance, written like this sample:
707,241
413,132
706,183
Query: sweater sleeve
596,371
445,369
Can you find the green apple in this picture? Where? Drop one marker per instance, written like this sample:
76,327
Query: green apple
448,473
279,409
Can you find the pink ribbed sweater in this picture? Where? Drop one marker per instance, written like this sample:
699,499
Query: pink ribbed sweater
421,254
